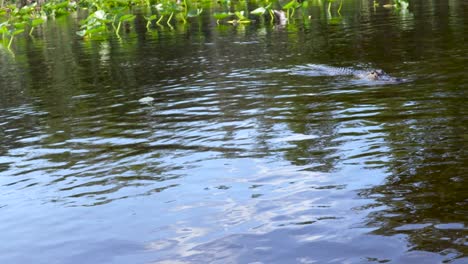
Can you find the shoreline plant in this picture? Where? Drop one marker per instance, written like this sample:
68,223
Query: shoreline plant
107,17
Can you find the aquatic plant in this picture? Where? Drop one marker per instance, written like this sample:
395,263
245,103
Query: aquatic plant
10,31
263,10
166,8
95,23
290,8
108,17
403,4
14,21
18,18
240,18
221,16
34,23
149,20
399,4
330,3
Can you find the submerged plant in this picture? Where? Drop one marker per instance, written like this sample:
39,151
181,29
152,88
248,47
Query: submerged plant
94,24
261,11
34,23
290,7
403,4
10,31
400,4
149,19
166,8
221,16
122,19
240,18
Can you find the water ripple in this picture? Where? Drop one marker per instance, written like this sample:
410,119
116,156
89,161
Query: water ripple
245,153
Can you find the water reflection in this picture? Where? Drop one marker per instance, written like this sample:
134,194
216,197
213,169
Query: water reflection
237,160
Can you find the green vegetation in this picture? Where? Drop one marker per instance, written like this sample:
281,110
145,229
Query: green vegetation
107,17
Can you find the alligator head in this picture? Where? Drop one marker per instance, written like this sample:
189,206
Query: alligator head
380,75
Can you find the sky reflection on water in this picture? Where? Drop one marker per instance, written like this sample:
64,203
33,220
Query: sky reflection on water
237,160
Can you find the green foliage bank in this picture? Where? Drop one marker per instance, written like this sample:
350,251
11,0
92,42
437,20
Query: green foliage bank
109,17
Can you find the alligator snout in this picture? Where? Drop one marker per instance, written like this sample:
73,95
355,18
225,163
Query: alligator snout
375,74
380,75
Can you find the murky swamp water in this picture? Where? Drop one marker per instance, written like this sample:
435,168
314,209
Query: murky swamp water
245,155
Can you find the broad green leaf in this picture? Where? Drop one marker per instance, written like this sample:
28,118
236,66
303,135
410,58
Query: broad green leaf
240,15
259,11
19,25
36,22
95,30
220,16
25,10
150,18
291,4
100,14
16,32
81,33
117,10
194,12
127,18
61,5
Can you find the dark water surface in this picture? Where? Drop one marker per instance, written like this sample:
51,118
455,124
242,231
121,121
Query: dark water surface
244,156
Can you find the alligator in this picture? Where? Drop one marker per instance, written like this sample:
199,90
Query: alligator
371,75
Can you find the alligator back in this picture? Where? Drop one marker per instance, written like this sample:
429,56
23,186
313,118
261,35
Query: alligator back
325,70
334,71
